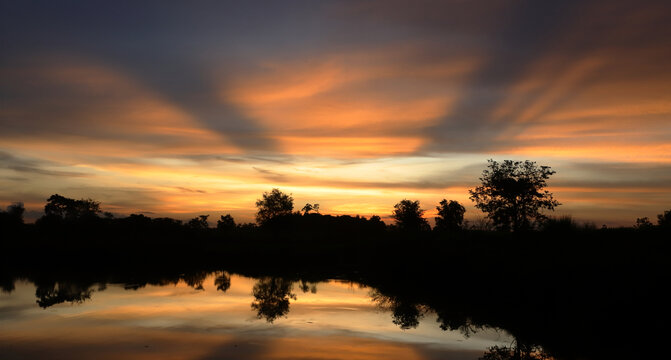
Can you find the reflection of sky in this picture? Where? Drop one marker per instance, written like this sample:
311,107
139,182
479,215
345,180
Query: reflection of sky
183,109
339,321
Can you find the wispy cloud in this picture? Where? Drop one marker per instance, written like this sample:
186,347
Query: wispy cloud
31,166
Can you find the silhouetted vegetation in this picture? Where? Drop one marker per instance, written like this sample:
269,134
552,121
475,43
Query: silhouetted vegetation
199,223
409,217
664,219
273,204
70,209
450,216
643,223
226,223
12,219
558,277
310,207
512,194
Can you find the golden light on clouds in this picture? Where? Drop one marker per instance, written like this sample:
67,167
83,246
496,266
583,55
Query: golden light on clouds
346,147
363,101
114,115
324,106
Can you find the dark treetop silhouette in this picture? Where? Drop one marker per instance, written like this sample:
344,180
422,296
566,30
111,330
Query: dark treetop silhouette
409,217
66,208
450,216
226,223
274,204
513,193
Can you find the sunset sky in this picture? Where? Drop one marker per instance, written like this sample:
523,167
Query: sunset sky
185,108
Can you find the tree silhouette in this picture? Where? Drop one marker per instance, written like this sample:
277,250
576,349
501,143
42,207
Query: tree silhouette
66,208
450,215
16,210
643,223
226,223
310,207
512,194
198,223
409,217
275,203
13,217
664,219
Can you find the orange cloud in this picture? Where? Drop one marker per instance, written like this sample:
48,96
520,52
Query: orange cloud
113,115
346,147
314,107
605,151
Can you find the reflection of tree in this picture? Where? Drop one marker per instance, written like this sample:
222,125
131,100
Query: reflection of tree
195,280
405,314
272,298
6,284
306,286
222,281
50,294
451,320
516,352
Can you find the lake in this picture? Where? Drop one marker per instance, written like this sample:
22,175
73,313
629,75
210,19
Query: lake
224,316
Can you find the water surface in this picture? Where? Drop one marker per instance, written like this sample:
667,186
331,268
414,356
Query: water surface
221,316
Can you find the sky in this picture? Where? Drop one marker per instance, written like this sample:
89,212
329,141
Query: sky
185,108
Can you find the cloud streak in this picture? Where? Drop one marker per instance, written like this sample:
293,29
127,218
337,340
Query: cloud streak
347,101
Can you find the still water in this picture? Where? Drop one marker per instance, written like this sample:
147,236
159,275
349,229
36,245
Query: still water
222,316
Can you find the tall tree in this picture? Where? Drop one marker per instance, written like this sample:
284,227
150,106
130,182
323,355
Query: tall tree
409,216
274,203
450,215
513,194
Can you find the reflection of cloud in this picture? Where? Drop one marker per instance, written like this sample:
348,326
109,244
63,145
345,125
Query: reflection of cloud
177,322
109,342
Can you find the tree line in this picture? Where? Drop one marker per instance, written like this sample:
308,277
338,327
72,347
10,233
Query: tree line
512,194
